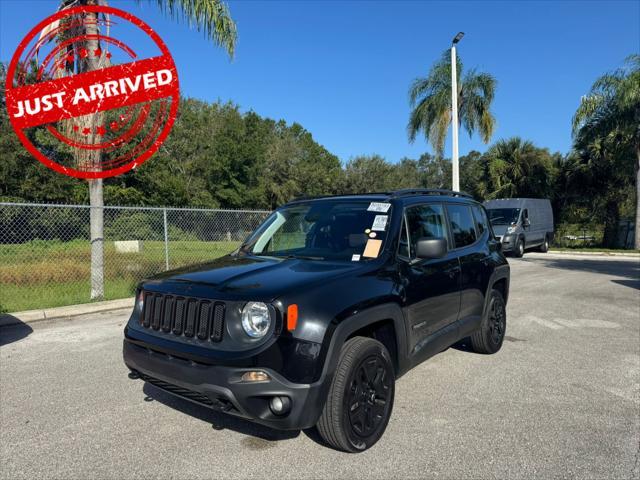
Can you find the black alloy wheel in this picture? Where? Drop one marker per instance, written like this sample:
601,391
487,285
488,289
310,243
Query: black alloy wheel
360,400
367,402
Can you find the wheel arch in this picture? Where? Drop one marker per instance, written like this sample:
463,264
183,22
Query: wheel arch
383,322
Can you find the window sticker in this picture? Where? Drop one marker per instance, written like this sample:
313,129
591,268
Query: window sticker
373,234
372,248
355,257
380,223
367,231
379,207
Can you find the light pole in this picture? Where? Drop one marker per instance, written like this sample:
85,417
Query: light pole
454,114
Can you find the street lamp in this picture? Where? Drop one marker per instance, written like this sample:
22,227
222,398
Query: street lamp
454,114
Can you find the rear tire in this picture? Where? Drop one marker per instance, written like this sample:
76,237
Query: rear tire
544,248
489,337
360,399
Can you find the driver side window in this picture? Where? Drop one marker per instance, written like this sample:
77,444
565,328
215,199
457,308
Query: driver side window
422,221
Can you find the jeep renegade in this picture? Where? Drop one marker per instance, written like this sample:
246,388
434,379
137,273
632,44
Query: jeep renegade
315,316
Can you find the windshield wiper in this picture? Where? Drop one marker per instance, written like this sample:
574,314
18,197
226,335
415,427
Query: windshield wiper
290,256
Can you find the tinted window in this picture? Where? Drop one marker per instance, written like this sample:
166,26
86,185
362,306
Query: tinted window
424,221
482,223
462,225
503,216
329,229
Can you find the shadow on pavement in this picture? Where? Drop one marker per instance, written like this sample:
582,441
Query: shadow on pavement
263,435
621,268
12,329
628,283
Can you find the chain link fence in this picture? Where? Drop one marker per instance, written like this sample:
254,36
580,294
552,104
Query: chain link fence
45,250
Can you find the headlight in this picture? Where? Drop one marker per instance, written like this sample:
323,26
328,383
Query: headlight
511,230
256,319
139,301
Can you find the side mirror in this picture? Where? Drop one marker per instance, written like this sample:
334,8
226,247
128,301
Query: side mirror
526,222
431,248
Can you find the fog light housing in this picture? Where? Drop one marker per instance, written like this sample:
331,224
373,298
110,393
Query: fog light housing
255,376
280,405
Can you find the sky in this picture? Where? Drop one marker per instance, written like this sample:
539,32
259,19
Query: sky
342,69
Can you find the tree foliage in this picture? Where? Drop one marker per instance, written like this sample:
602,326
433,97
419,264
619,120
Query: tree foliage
430,99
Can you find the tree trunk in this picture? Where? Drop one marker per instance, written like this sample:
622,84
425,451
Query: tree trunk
90,159
97,241
611,222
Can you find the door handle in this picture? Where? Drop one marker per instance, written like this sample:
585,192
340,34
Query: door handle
451,272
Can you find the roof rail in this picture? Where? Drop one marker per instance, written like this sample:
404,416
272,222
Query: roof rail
297,199
428,191
397,193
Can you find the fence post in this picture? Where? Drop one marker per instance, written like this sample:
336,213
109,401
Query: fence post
166,240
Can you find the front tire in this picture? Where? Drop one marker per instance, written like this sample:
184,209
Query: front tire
489,337
360,399
518,251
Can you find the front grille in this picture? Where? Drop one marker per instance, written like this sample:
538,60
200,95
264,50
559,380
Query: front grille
191,317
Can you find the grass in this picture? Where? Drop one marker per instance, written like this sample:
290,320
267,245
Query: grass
45,274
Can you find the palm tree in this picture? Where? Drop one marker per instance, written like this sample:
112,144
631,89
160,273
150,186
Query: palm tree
210,16
430,100
609,116
517,168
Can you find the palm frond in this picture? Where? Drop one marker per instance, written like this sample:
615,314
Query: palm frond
209,16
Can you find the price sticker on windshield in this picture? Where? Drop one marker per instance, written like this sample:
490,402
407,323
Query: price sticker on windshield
380,223
379,207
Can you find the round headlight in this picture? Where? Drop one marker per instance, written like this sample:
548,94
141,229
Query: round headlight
256,319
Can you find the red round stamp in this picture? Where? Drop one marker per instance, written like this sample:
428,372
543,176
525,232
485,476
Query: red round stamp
86,103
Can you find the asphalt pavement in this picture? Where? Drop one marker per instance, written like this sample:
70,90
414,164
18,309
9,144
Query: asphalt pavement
561,399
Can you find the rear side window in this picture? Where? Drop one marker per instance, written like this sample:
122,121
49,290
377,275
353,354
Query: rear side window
423,221
462,225
482,223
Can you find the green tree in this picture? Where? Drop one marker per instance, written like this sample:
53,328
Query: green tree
430,100
606,127
368,173
517,168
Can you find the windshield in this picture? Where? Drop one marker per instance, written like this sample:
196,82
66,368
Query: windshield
333,230
503,216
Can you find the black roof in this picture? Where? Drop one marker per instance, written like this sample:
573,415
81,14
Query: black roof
407,192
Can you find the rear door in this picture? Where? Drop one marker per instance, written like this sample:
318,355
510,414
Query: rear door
431,287
473,257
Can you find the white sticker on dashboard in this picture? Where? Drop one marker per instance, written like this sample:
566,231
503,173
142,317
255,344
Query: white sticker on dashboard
355,257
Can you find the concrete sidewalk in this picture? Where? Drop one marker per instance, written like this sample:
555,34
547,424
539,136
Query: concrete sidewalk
30,316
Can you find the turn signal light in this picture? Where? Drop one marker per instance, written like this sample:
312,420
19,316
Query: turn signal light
292,317
255,376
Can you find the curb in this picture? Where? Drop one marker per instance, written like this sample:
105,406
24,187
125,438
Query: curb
596,253
32,316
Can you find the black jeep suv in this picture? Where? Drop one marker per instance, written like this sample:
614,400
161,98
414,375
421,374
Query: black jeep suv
315,316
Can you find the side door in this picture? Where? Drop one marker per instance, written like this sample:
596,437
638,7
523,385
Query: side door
431,287
473,255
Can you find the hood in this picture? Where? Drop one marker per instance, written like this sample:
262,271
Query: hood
258,278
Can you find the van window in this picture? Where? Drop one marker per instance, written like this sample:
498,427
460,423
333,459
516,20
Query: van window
462,225
424,221
482,224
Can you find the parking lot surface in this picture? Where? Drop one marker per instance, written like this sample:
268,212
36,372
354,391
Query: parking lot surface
561,399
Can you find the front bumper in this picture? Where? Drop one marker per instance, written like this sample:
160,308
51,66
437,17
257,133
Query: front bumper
508,242
221,388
